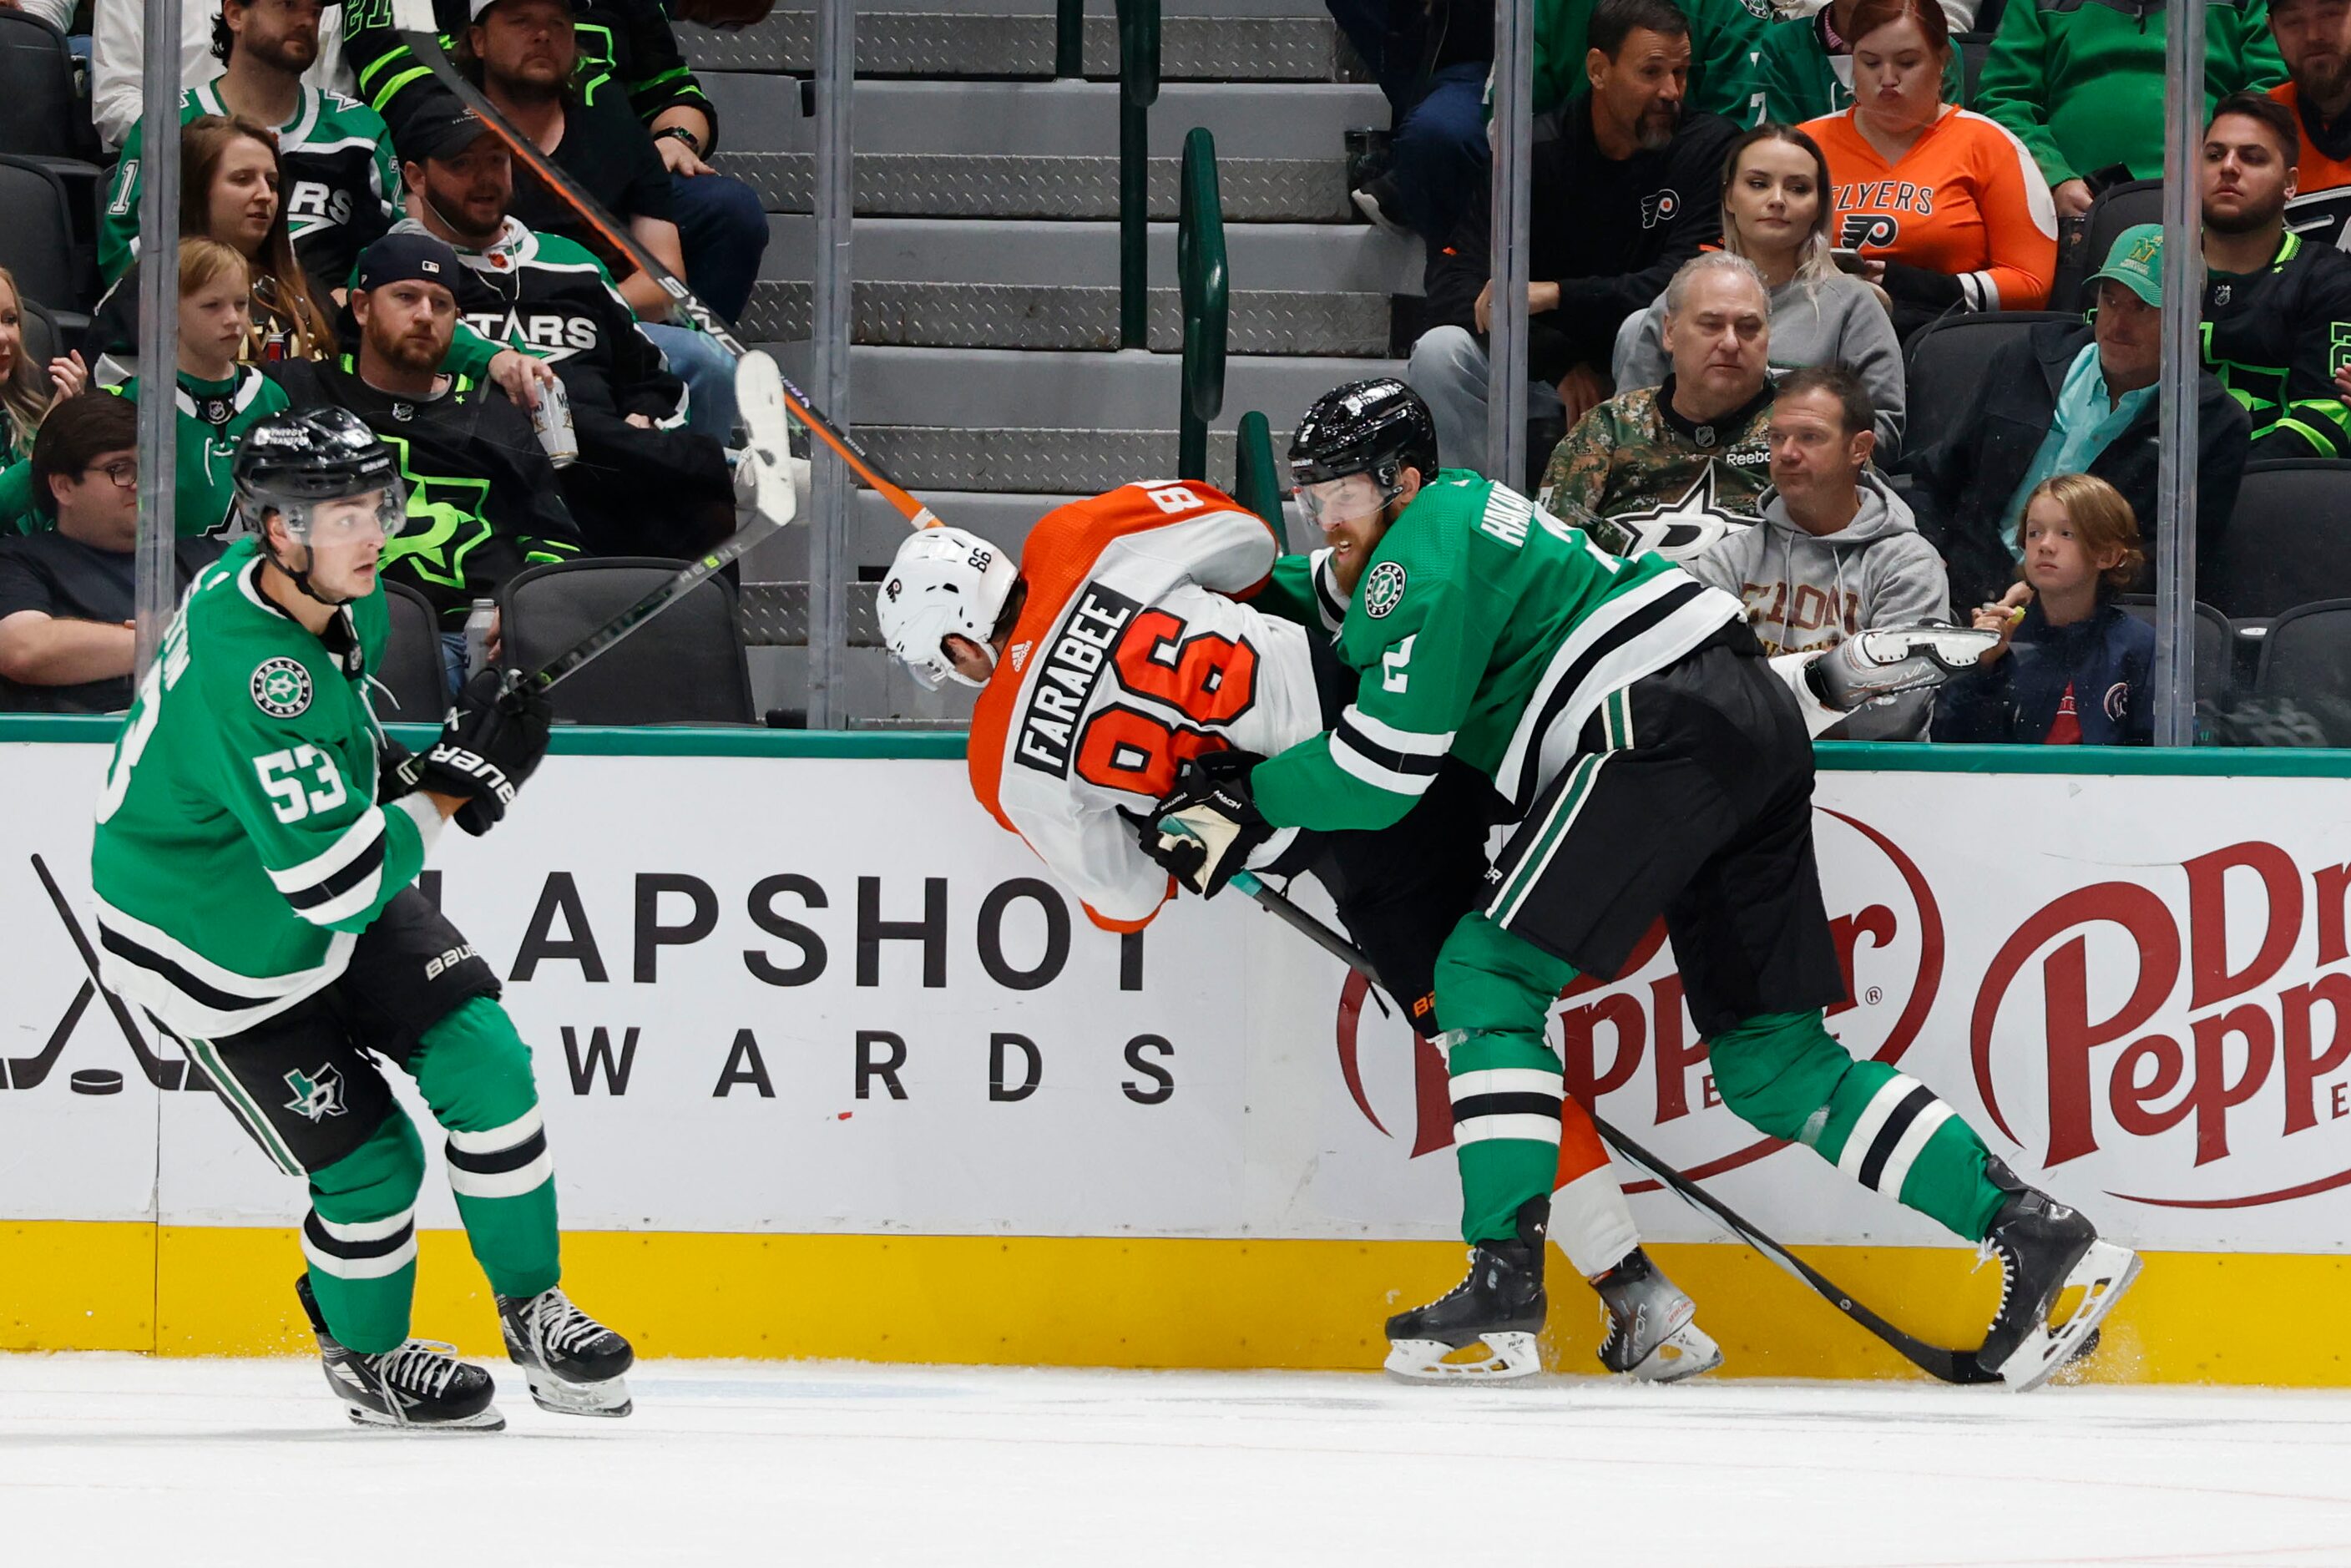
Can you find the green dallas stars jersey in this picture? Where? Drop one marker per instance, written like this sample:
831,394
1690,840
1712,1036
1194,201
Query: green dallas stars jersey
341,186
240,849
1484,628
214,418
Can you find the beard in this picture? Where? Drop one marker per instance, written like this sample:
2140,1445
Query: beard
410,351
2249,219
292,53
1657,127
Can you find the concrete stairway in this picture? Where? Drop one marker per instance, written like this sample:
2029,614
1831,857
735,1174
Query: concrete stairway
987,372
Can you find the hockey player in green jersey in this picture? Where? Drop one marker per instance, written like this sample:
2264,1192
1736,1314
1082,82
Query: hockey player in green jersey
1652,765
253,861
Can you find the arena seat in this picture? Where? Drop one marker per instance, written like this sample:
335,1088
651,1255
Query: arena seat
2288,542
42,116
686,666
412,673
2116,208
37,244
2308,654
2216,642
1945,361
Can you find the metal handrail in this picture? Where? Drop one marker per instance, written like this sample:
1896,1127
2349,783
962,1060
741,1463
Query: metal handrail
1138,90
1200,269
1069,38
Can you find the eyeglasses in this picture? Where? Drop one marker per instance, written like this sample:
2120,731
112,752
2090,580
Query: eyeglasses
125,474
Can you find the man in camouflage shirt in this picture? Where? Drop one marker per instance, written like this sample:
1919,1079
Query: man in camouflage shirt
1673,469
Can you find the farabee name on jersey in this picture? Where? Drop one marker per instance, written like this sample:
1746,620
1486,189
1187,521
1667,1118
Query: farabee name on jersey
1065,685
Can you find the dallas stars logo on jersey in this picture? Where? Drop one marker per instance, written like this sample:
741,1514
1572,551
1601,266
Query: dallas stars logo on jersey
317,1094
281,688
1676,529
1383,590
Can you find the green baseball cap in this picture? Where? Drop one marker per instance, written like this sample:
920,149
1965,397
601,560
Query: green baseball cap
2136,262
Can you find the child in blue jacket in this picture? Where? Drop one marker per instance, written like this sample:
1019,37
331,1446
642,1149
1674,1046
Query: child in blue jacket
2072,667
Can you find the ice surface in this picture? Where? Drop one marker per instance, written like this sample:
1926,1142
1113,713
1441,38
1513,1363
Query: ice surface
124,1460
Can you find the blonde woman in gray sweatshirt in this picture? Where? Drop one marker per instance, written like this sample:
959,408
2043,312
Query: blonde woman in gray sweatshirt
1777,210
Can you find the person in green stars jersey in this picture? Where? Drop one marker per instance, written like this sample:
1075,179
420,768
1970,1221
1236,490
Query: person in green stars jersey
1652,765
253,860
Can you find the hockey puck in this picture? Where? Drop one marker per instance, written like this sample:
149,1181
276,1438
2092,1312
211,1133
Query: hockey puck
96,1081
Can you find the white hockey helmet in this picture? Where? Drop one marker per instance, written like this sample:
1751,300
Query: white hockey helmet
943,582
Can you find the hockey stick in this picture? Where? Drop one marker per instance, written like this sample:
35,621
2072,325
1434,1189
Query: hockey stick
418,31
161,1073
1949,1366
774,502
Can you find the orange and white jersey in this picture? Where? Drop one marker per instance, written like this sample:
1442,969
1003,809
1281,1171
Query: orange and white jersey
1132,654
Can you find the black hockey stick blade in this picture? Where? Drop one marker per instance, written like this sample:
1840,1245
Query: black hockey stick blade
414,22
1936,1361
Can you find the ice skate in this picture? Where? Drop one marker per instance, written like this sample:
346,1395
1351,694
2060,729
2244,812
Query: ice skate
1500,1305
572,1362
421,1385
1653,1330
2046,1250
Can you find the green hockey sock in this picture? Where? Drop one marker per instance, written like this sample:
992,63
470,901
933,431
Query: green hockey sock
1493,994
1784,1074
473,1069
361,1237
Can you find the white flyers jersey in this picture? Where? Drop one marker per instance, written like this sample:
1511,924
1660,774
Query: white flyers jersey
1132,654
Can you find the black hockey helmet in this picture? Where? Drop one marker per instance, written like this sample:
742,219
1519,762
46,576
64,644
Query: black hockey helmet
290,462
1378,427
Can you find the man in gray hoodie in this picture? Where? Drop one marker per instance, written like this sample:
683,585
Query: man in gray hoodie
1837,550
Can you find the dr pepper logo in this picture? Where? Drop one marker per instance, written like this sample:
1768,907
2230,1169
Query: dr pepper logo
2206,1008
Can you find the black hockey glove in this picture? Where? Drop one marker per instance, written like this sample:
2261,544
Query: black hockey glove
489,747
395,769
1208,826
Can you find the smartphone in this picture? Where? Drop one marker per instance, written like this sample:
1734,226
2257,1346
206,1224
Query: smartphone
1846,260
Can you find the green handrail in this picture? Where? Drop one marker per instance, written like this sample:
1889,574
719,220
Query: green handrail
1138,90
1200,270
1069,38
1257,480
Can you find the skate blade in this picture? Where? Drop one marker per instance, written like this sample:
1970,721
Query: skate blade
608,1398
1508,1356
2104,1272
1686,1352
488,1420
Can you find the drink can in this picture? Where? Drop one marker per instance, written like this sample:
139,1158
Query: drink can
553,420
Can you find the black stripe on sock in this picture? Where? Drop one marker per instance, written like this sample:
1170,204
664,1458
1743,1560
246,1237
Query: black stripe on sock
335,1247
180,980
1519,1103
363,865
1889,1137
499,1161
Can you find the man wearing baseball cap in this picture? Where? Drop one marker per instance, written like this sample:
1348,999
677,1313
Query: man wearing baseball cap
2064,398
482,500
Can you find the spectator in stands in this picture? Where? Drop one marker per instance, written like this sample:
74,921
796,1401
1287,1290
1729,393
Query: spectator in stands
118,55
2073,665
526,57
1723,34
1776,214
1625,190
1837,550
721,230
1667,467
642,486
1803,67
218,400
482,500
1431,58
1944,208
2314,39
2084,85
2071,399
2277,306
67,596
27,390
229,190
338,180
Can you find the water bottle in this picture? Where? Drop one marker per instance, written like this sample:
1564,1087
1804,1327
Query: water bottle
479,624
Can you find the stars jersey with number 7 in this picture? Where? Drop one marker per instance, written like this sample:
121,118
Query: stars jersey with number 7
1131,653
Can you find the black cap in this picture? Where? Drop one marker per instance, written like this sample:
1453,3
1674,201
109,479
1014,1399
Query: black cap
442,130
399,257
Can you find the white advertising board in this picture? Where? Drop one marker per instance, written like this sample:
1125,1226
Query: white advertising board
796,995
